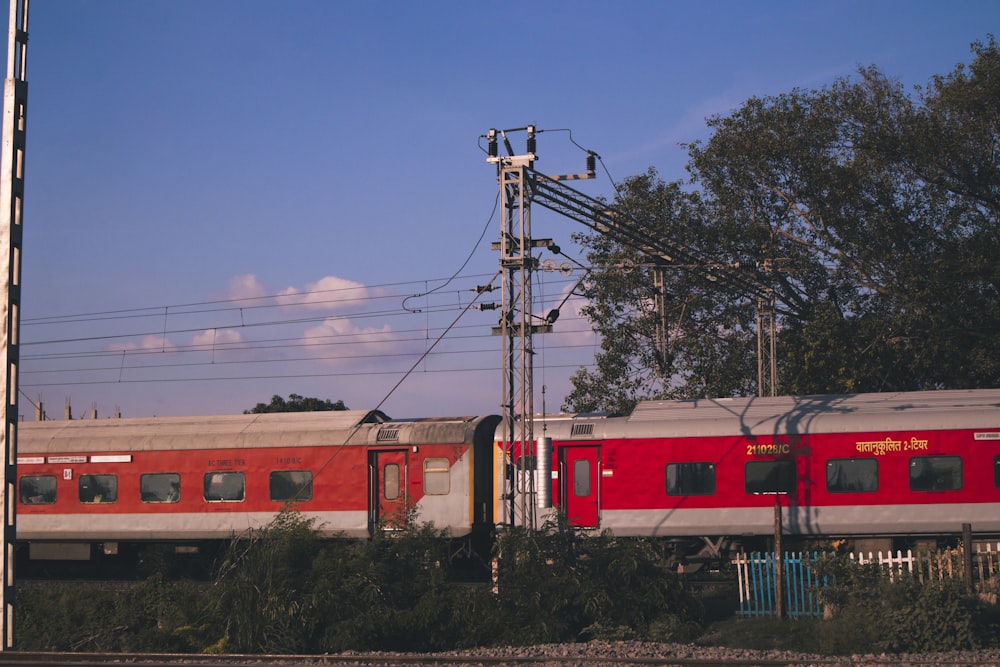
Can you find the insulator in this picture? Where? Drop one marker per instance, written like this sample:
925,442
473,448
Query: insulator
492,136
591,162
543,472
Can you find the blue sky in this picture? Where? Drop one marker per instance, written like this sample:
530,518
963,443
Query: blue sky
227,200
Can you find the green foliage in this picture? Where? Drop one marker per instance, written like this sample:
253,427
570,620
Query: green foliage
263,588
559,585
153,616
873,612
281,589
296,403
870,212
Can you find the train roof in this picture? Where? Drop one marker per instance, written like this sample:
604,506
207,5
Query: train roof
755,416
291,429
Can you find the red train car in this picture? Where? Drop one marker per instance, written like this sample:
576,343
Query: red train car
186,480
894,465
706,474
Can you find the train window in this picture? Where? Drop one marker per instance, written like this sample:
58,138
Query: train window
581,478
996,472
690,479
38,489
160,487
769,477
291,485
224,486
935,473
390,481
437,477
852,475
98,488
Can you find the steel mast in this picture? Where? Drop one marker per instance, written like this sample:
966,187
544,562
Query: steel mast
515,327
11,201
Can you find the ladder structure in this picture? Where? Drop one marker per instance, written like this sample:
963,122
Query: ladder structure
11,203
516,329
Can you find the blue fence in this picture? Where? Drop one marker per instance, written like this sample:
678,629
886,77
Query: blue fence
757,575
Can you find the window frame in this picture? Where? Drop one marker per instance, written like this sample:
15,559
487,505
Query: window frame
688,478
846,463
790,474
297,496
207,482
396,480
171,479
43,494
935,476
434,475
104,495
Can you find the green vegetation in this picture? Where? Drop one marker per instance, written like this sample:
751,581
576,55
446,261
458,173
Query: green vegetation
870,612
871,212
284,590
296,403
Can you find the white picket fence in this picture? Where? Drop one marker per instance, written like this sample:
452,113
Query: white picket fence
940,565
756,575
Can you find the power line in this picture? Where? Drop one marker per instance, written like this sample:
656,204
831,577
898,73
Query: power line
355,345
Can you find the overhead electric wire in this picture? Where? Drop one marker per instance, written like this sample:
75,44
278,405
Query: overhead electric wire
282,343
132,345
35,369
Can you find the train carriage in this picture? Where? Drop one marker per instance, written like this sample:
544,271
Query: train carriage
893,465
706,474
190,479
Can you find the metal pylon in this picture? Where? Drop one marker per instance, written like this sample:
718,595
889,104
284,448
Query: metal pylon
517,264
11,203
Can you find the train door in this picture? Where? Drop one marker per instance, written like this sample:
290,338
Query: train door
388,483
579,489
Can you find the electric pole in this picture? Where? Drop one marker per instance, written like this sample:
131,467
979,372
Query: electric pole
11,201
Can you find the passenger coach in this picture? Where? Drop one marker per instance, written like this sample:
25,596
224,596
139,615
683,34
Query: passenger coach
190,479
893,466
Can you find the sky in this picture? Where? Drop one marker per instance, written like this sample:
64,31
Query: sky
228,200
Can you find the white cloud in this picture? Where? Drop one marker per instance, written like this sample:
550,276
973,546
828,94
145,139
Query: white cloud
329,292
354,342
145,344
246,286
213,337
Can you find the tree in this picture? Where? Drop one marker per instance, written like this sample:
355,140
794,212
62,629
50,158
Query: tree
296,403
622,298
873,215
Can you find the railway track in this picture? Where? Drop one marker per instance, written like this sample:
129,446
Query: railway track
551,658
14,659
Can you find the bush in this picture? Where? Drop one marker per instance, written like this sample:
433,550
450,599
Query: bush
560,585
872,612
152,616
281,589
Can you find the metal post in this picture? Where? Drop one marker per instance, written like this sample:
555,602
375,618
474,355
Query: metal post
967,557
516,329
779,572
767,366
11,203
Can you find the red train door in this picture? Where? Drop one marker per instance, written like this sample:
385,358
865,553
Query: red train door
388,476
578,487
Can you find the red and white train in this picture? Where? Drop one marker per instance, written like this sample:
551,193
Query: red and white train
887,466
